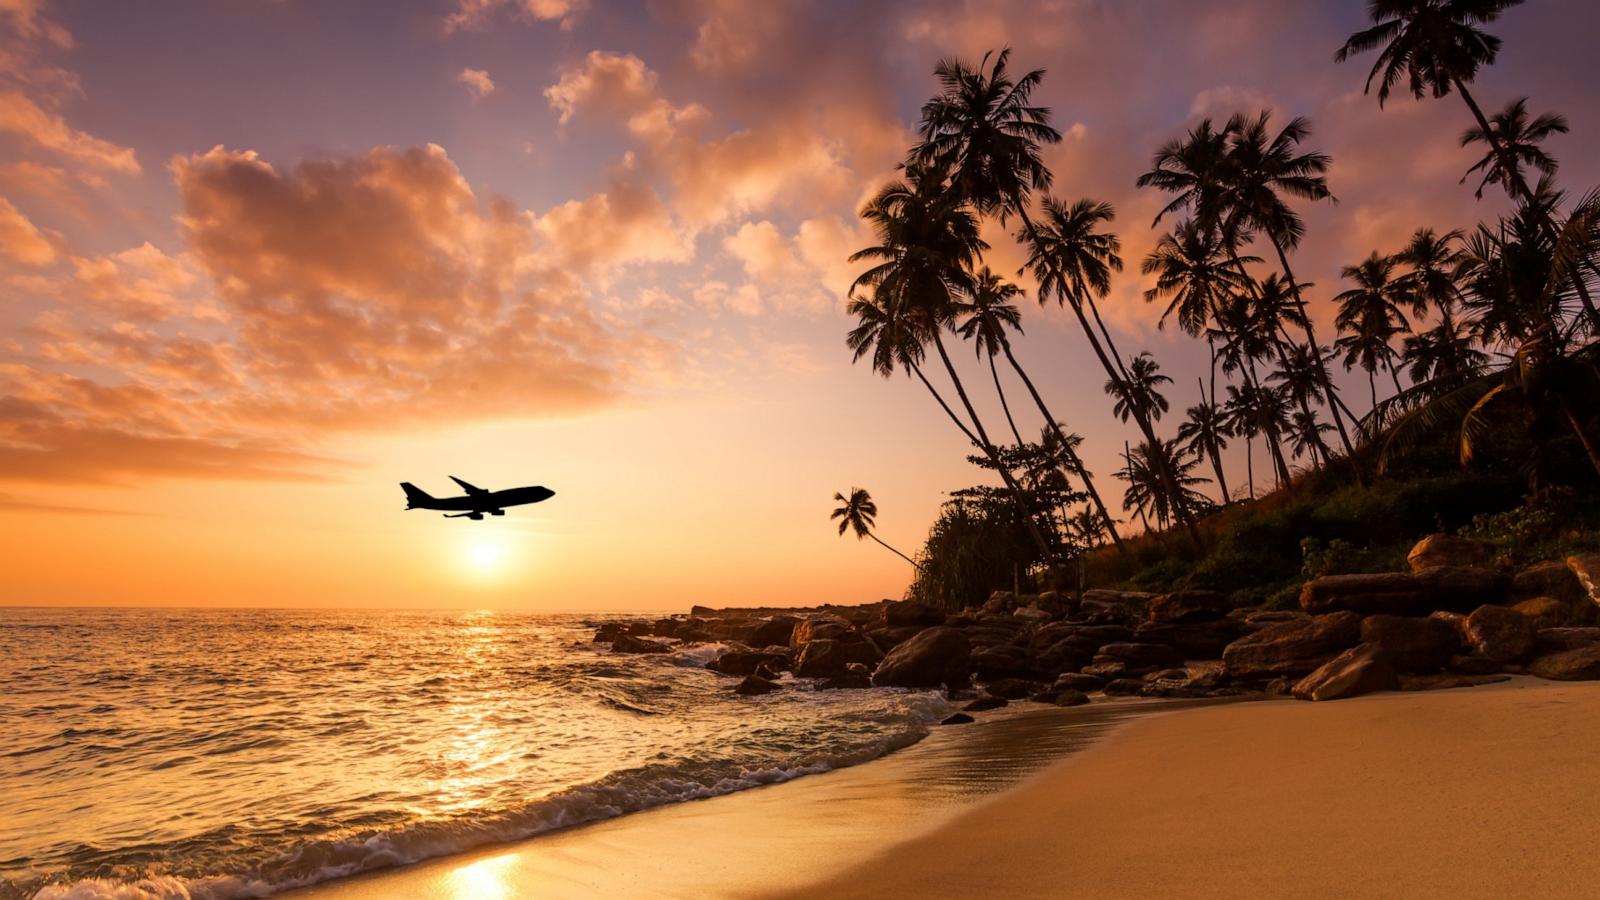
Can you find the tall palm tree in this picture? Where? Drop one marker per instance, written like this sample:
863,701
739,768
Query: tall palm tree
1205,432
1370,317
1258,409
1305,435
927,243
858,513
1446,348
1517,145
1140,391
1147,491
1193,268
1443,350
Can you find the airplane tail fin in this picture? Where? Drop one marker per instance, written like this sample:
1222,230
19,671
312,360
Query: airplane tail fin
414,494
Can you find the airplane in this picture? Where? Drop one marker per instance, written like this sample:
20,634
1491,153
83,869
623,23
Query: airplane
476,502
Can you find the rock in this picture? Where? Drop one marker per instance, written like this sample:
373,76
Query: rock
1188,606
1586,566
893,637
1124,686
1065,655
1137,654
999,602
1549,640
827,658
1002,661
1500,634
1544,612
1473,664
1133,602
1362,669
908,613
1446,681
1549,578
1462,587
755,684
959,719
819,628
1446,550
1012,688
1393,593
1291,648
1279,687
855,677
627,643
1581,664
1168,675
1093,635
936,656
1414,644
774,632
1071,698
1107,671
745,662
1074,681
1209,674
1193,640
1032,614
983,704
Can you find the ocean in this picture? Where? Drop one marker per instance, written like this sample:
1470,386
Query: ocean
233,753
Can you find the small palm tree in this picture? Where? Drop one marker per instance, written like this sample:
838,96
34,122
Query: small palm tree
858,514
1147,491
1140,393
1516,144
984,316
1192,266
1205,433
1370,317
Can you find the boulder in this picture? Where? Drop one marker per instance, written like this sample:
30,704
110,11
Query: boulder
1065,655
1446,680
827,658
774,632
1133,602
1076,681
1544,612
1094,635
1193,640
1446,550
908,613
1071,698
1586,566
1581,664
1291,648
999,602
936,656
1138,654
983,704
855,677
1414,643
1462,587
1002,661
1392,593
1549,578
1500,634
1013,688
1362,669
1188,606
1549,640
755,684
958,719
627,643
1033,614
1109,671
819,628
745,662
1123,686
1168,675
1473,664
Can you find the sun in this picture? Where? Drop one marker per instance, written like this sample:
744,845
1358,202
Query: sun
486,554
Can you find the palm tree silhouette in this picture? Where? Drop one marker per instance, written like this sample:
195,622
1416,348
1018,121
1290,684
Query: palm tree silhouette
1517,144
1370,317
1147,491
858,514
1140,392
1205,432
1191,266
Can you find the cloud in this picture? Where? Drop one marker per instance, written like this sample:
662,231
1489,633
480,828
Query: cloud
622,88
477,81
23,241
23,117
475,14
625,224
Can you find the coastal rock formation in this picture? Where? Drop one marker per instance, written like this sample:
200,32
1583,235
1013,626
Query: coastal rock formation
1384,593
1193,640
1071,698
1414,643
984,704
745,662
936,656
1188,606
1446,550
1137,654
822,627
827,657
1501,634
755,684
1291,648
907,613
1544,612
1549,578
1462,587
1124,686
774,632
1551,639
1586,566
958,719
627,643
1132,603
1580,664
1362,669
1013,688
1002,661
855,677
1077,681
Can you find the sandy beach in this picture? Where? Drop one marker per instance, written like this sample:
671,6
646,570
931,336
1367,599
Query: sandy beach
1484,792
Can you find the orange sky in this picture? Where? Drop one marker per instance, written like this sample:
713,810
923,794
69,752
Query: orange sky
264,260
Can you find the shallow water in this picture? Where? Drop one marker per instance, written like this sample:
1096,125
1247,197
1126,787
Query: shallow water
236,753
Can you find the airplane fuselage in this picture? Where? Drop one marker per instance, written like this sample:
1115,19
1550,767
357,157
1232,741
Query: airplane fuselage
477,502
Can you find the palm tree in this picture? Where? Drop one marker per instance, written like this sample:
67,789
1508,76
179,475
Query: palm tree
858,513
1443,350
1140,392
927,243
988,312
1370,317
1305,435
1515,144
1192,267
1147,491
1446,348
1205,432
1257,409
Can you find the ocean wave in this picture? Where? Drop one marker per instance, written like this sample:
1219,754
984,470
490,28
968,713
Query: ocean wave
617,794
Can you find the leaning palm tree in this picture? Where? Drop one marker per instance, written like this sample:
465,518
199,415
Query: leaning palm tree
1516,144
1147,491
1205,432
1192,267
858,514
1140,391
1370,317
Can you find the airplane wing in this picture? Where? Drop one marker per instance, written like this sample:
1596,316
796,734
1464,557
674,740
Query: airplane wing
471,489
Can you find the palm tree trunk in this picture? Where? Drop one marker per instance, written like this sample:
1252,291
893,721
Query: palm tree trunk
1066,446
1395,377
1518,189
1211,445
1250,461
1311,341
1372,385
885,546
1001,392
994,456
1305,407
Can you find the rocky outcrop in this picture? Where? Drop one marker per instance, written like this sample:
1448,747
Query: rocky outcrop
1545,612
1501,634
984,704
1441,681
1188,606
854,677
1124,686
1386,593
958,719
1136,655
1013,688
1362,669
1002,661
1446,550
1070,698
1549,578
1291,648
1586,566
907,613
627,643
1065,655
1549,640
1414,643
774,632
1077,681
1193,640
827,658
1580,664
755,684
1462,587
819,628
745,662
1132,603
936,656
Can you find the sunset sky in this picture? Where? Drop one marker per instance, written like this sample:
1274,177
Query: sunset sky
264,259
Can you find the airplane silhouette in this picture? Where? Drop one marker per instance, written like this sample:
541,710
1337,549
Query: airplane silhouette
476,502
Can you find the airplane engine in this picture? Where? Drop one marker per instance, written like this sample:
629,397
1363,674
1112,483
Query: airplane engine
497,512
476,517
